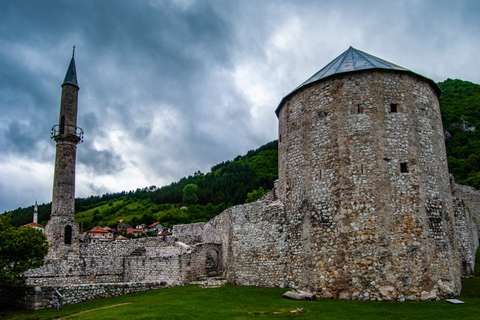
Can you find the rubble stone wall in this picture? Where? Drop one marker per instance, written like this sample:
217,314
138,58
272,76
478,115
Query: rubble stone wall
364,178
36,298
466,202
471,198
252,237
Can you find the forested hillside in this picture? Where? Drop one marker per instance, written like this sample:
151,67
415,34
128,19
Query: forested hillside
245,178
460,105
227,184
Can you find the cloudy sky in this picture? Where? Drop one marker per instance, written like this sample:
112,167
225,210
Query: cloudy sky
168,88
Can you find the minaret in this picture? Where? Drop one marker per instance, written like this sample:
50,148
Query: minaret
35,212
62,230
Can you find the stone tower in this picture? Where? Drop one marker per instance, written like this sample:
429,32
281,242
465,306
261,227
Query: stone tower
364,179
62,230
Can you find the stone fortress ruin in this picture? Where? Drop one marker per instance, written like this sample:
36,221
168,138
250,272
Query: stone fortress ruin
364,207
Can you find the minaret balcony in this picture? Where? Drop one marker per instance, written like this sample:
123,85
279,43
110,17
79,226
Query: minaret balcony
67,132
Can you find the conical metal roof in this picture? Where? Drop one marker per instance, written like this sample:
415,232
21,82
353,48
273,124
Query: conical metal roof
71,76
350,61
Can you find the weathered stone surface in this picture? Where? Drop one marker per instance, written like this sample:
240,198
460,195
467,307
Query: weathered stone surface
299,295
366,188
466,204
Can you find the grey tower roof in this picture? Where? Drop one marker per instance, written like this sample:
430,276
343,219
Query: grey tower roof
352,60
71,76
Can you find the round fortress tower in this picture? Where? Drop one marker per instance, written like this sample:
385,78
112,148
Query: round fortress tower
364,179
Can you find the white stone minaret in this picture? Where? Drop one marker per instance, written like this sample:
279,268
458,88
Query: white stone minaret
62,230
35,212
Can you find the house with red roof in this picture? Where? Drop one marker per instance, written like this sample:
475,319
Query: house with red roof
36,226
156,227
135,232
96,235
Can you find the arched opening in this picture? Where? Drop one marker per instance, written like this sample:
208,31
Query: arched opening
68,235
62,125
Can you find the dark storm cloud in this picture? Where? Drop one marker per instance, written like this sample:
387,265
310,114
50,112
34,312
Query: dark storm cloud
171,87
100,161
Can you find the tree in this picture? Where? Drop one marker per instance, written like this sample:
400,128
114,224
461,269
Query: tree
255,195
189,195
21,249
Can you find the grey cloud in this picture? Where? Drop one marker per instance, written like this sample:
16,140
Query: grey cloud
100,161
138,61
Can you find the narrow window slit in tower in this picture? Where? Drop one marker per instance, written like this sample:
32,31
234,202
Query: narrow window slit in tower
68,235
360,109
361,168
403,167
62,125
393,108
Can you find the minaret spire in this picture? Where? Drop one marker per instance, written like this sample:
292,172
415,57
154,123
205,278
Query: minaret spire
35,212
62,230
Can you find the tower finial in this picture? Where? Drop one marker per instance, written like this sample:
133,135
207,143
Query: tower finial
73,53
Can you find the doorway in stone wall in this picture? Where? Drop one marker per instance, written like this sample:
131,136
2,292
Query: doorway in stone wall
213,263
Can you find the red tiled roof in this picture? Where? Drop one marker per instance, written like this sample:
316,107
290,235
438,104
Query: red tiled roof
98,229
33,224
153,225
129,231
164,234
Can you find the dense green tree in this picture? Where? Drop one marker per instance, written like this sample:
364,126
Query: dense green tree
189,193
460,106
255,195
21,249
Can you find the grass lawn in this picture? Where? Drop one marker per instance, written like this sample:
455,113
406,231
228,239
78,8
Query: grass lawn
233,302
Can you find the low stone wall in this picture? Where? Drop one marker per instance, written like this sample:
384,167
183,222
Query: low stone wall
103,263
36,298
141,260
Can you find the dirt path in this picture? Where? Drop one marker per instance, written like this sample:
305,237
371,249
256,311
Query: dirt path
74,314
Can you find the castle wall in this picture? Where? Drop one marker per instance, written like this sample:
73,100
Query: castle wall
471,198
252,237
139,260
466,202
36,298
367,197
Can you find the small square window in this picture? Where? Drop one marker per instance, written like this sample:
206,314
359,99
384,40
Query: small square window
393,108
403,167
360,109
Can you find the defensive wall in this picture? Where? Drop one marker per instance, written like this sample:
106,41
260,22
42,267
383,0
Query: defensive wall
245,244
116,268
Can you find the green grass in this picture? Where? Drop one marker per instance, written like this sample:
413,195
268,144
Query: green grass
233,302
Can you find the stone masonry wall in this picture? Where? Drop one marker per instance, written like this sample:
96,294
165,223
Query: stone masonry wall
466,203
36,298
157,259
471,198
253,243
364,179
